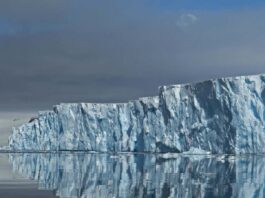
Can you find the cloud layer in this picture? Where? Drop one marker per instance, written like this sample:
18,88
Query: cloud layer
102,51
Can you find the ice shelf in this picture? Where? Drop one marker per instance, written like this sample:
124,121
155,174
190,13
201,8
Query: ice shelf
223,115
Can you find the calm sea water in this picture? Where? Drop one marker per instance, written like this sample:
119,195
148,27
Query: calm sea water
80,174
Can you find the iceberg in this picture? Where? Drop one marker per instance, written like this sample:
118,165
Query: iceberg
218,116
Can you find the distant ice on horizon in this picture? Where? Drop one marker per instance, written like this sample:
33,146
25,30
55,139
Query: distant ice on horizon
9,120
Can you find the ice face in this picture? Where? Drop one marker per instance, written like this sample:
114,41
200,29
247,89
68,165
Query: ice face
224,115
125,176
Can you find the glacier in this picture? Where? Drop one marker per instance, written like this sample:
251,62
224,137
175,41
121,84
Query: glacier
86,175
218,116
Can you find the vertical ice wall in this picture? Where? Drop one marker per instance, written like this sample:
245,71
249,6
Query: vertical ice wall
216,116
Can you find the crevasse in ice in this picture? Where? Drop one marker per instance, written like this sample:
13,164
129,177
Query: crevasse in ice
223,115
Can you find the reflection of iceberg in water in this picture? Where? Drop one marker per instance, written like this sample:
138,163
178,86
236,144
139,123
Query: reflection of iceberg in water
102,175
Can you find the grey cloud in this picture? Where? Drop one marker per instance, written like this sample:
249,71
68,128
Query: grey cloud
69,51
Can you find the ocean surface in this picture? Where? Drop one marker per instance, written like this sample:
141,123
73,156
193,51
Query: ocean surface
125,175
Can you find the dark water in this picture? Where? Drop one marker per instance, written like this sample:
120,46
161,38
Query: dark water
142,175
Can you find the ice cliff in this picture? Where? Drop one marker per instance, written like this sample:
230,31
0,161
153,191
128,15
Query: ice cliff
223,115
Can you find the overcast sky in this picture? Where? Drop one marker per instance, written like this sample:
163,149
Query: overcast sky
117,50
